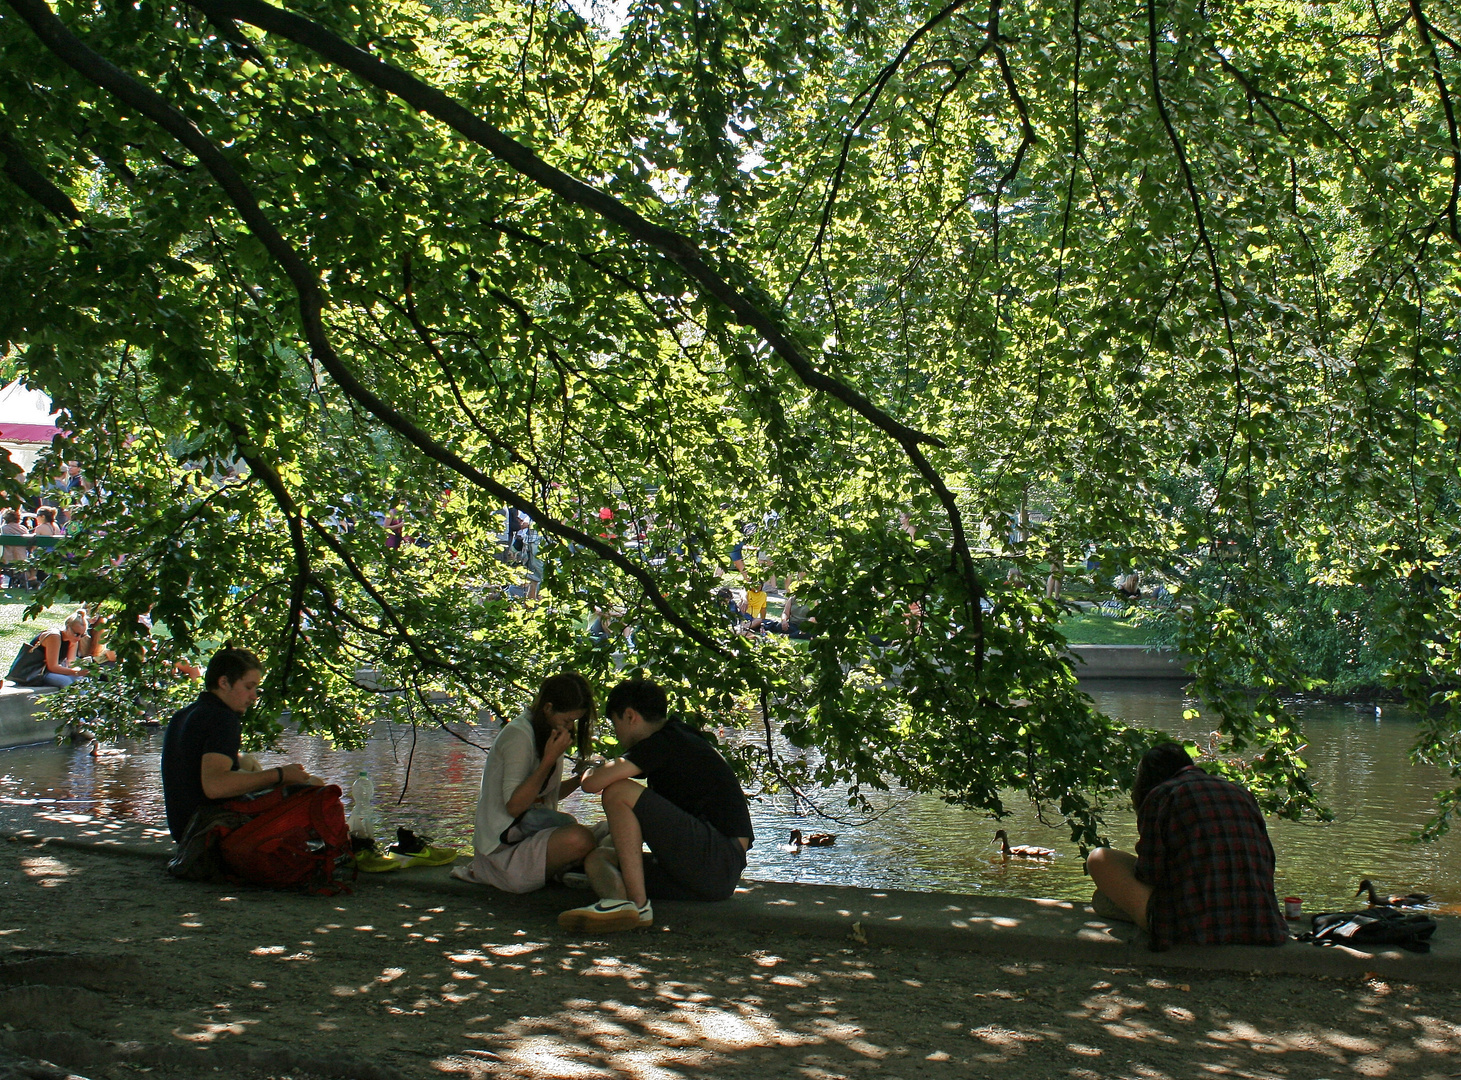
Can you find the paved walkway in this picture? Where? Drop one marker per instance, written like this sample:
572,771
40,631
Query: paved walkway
1034,929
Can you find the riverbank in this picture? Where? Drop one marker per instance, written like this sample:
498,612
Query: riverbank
416,975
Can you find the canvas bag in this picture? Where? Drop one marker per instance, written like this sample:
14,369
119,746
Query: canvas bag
296,838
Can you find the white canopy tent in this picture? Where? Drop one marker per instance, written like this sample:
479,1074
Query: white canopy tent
27,423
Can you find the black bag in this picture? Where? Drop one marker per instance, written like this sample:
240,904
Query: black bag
29,668
1373,926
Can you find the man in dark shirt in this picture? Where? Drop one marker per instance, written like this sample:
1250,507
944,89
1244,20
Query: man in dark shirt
200,750
692,815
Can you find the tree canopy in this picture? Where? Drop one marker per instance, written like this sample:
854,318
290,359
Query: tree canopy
1182,275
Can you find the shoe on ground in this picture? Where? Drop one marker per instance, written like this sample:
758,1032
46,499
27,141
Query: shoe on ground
1106,908
574,879
408,843
608,915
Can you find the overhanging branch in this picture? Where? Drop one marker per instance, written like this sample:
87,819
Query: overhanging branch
69,49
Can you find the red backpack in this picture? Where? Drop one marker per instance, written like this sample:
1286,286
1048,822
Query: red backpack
295,837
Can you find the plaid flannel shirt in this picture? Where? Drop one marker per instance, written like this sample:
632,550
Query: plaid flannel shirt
1205,851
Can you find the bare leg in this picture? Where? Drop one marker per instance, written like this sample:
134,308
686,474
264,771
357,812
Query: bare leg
619,799
568,844
1114,873
602,868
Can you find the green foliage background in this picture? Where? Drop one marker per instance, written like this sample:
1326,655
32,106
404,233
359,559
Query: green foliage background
1182,273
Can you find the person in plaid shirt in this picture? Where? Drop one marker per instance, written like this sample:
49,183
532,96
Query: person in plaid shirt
1203,868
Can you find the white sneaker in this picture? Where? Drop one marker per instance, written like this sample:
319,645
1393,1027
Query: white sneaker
574,879
608,915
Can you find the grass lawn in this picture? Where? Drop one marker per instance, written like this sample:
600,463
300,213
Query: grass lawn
1084,628
13,631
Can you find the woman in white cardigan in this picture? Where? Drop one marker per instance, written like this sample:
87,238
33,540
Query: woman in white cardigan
522,839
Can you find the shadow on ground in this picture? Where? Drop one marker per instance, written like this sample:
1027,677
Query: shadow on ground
113,968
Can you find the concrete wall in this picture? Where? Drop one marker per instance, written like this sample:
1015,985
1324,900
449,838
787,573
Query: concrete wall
1127,662
21,721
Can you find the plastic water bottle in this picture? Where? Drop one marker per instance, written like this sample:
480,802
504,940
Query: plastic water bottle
362,806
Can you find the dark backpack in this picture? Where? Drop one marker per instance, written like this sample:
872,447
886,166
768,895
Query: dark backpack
1373,926
280,838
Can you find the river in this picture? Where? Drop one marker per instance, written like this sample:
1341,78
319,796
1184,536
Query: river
1358,756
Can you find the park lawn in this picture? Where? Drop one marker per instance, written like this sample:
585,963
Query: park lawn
1085,628
15,631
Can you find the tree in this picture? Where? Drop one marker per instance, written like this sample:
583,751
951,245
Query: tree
838,262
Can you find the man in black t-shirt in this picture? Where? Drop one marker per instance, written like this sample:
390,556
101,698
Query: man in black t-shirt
200,749
692,815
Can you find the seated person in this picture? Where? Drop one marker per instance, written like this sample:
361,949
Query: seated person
754,606
521,839
796,617
725,600
692,815
46,660
606,625
1203,868
200,752
14,556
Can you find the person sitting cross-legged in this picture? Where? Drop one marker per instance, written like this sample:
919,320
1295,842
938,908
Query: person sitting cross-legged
201,759
1203,869
693,815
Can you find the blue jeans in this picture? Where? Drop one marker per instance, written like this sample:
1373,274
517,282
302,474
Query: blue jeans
55,678
535,820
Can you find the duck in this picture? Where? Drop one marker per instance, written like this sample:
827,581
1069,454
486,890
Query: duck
1021,851
1415,899
817,839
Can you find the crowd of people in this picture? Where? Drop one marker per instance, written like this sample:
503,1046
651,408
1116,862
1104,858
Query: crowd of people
48,513
1202,871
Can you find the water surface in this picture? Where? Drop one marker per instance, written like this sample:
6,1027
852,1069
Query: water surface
1358,756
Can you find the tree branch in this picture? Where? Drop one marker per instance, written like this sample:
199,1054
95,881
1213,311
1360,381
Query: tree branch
28,178
53,33
1423,25
679,249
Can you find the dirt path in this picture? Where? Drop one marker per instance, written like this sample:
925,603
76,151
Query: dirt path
116,971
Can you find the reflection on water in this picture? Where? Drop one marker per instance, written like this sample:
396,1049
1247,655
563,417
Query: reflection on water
1359,762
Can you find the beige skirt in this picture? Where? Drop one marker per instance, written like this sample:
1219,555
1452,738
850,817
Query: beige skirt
514,868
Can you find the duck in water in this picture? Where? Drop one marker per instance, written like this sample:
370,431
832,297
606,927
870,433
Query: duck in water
1021,851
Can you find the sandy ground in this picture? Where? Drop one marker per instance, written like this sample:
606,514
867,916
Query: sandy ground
113,970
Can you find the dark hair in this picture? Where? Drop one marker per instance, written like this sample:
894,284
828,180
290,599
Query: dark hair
47,514
12,517
565,692
1158,765
231,664
644,697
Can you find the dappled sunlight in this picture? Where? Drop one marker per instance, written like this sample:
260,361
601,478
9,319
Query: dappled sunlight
47,871
477,985
614,1038
211,1032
